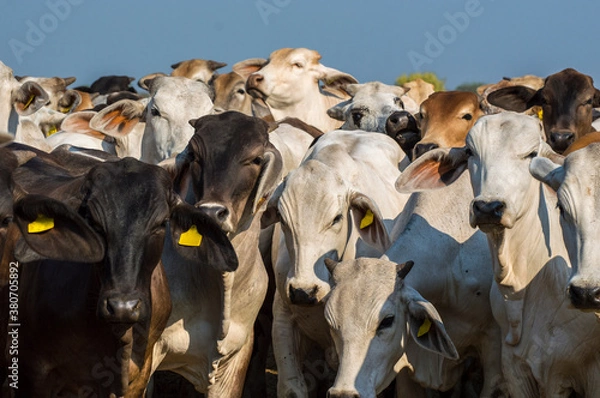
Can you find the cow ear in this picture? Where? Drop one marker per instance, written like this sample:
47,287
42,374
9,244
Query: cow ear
261,110
29,98
425,324
249,66
56,232
70,100
337,112
596,100
214,65
435,169
548,172
271,214
333,79
352,89
270,177
198,238
119,119
79,122
369,222
515,98
146,81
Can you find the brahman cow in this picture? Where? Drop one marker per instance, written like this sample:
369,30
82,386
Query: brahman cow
197,69
371,105
93,294
338,204
548,346
371,312
230,93
55,87
567,100
228,171
576,184
289,84
173,102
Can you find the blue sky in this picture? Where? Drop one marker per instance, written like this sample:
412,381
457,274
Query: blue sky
477,40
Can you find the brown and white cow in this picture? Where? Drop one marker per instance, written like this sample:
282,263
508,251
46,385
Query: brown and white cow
228,171
230,93
567,100
93,292
197,69
289,84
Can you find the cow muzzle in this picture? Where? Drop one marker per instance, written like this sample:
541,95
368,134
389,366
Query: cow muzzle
303,296
121,309
219,213
560,140
584,298
402,127
335,393
253,84
488,215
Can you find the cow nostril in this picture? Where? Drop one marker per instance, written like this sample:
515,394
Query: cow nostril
421,149
494,208
120,310
217,212
583,297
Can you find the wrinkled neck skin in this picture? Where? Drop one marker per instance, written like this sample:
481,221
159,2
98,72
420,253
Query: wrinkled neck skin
522,253
312,109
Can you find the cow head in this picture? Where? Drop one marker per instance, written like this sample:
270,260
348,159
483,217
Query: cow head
230,94
290,75
318,211
55,87
197,69
371,312
567,100
371,105
445,119
228,169
576,184
117,218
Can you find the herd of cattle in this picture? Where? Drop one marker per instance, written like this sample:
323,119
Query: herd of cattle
441,243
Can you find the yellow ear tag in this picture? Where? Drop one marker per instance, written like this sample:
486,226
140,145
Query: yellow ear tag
64,110
41,224
29,101
366,220
424,327
540,114
53,130
191,237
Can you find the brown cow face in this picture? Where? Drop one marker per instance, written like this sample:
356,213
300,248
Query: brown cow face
567,100
233,167
445,119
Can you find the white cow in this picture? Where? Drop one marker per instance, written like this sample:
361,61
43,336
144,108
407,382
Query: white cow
576,182
549,349
289,84
174,101
339,203
18,99
371,105
55,87
371,312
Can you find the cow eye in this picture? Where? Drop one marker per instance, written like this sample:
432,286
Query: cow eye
399,102
531,155
467,116
6,220
386,323
337,219
241,91
154,112
258,160
298,65
589,102
357,117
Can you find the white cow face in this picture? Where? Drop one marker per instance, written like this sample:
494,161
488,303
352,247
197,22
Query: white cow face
371,105
174,102
317,220
291,75
578,191
501,148
371,313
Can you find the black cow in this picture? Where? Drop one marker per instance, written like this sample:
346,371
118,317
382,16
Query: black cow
93,295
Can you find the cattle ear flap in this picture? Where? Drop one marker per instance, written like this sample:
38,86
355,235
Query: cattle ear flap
435,169
214,65
198,238
249,66
146,81
192,122
119,119
270,176
334,80
515,98
79,122
548,172
271,214
29,98
56,232
337,111
70,100
596,100
425,324
369,222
